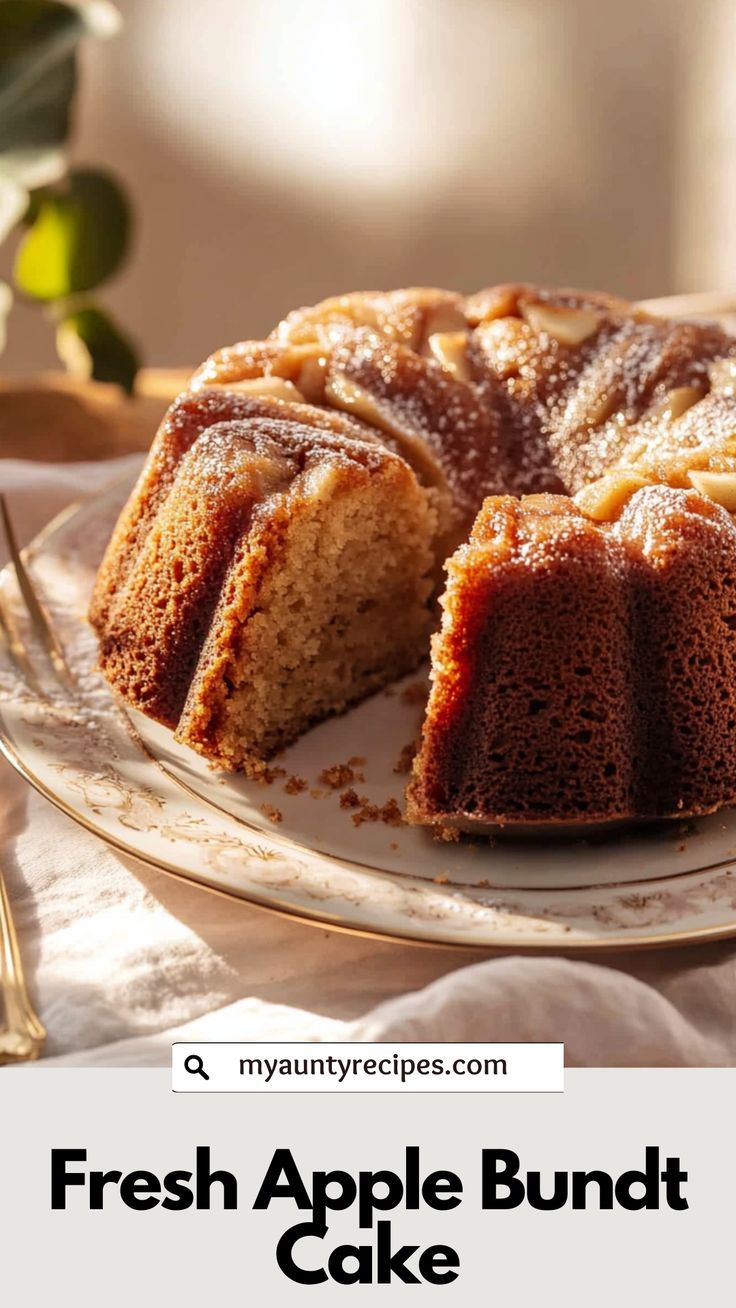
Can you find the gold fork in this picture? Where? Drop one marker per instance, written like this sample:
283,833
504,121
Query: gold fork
22,1035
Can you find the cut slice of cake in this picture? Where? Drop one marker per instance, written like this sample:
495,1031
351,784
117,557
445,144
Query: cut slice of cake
278,573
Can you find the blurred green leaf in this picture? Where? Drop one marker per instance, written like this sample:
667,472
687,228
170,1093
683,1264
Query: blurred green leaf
77,234
78,238
90,344
6,299
38,39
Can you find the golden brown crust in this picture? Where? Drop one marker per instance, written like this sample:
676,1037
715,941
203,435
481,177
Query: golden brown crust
152,641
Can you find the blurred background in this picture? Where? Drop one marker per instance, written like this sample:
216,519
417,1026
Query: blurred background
277,151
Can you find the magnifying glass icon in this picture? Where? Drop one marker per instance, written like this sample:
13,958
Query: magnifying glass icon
193,1063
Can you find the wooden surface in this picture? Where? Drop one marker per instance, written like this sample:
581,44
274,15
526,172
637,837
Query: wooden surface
56,419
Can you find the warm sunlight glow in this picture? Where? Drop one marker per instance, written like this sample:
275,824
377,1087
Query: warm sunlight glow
326,95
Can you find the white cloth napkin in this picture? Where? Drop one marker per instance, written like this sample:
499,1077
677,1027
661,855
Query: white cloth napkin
122,959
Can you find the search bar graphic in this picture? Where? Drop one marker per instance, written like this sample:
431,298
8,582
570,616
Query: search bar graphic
344,1067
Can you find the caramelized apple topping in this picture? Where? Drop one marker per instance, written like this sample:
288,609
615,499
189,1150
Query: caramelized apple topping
722,373
605,499
678,401
566,325
717,486
276,388
450,349
343,393
494,302
444,320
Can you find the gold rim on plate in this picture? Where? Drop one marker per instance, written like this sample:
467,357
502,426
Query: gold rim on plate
620,944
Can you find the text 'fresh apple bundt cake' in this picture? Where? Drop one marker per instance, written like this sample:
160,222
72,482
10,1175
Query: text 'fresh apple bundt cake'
574,456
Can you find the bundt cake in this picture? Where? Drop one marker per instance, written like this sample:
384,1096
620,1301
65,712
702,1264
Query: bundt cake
576,458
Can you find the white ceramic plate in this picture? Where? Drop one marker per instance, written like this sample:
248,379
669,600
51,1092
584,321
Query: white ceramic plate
127,780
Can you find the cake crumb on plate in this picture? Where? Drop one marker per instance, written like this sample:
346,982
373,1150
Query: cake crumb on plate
339,775
448,834
271,812
295,785
405,759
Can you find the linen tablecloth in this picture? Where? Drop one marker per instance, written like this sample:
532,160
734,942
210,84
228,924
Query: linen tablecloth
122,959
